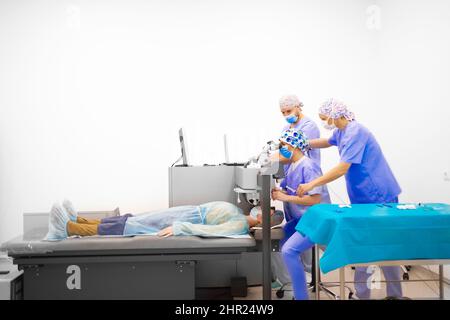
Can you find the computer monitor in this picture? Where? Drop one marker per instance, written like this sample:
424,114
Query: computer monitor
183,144
225,144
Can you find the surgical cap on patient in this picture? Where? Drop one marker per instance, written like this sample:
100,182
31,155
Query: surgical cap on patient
297,139
335,109
289,101
276,219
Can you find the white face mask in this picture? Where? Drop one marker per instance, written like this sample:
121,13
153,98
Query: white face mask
328,126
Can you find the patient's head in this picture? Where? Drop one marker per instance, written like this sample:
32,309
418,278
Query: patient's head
255,217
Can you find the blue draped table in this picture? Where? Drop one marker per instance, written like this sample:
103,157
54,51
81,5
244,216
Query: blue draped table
366,233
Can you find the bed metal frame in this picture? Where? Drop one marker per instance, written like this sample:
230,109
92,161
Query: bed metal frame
342,282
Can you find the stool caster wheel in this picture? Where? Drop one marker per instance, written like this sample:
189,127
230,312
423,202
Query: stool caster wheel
350,296
280,294
405,276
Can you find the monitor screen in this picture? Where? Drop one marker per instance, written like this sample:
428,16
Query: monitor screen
183,146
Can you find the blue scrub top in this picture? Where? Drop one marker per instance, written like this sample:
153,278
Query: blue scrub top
369,178
305,171
310,128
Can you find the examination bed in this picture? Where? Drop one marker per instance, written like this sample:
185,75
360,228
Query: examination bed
139,267
149,267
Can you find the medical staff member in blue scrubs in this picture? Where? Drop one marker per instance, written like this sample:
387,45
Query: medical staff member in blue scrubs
294,148
369,178
292,110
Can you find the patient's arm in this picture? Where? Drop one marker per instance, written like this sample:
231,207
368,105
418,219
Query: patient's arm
229,228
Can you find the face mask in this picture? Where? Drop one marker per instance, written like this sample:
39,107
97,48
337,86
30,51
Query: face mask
255,211
286,153
328,126
292,118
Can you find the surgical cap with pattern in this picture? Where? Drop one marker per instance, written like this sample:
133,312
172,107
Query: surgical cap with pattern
335,109
297,139
290,101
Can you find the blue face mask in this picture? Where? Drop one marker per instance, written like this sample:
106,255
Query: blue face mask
292,118
286,153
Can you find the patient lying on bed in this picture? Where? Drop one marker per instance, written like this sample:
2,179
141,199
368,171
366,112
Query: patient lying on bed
213,219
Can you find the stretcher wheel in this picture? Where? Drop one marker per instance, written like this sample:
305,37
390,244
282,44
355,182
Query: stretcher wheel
405,276
280,294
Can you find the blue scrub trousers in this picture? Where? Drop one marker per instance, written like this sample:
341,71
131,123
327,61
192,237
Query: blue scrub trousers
393,289
292,249
279,268
289,230
362,274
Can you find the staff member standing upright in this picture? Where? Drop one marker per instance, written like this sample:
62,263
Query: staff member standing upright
369,178
291,109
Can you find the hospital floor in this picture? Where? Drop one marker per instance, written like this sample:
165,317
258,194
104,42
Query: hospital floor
412,290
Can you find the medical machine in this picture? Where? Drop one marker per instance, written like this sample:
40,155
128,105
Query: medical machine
244,185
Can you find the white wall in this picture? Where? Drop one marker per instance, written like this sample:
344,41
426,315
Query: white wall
92,92
414,95
414,81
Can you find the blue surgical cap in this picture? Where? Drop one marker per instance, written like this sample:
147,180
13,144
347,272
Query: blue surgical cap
297,139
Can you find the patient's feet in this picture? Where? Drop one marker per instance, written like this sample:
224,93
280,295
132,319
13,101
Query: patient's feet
73,214
57,225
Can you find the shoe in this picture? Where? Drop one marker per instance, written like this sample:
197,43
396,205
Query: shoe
73,214
57,225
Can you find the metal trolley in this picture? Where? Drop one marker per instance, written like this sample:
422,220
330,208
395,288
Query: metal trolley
342,282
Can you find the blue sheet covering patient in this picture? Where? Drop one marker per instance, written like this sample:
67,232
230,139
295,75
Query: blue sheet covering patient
209,219
213,219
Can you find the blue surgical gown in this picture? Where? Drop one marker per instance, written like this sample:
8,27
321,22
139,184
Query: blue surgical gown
369,178
310,128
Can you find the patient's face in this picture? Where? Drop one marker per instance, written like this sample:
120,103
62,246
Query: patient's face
259,216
